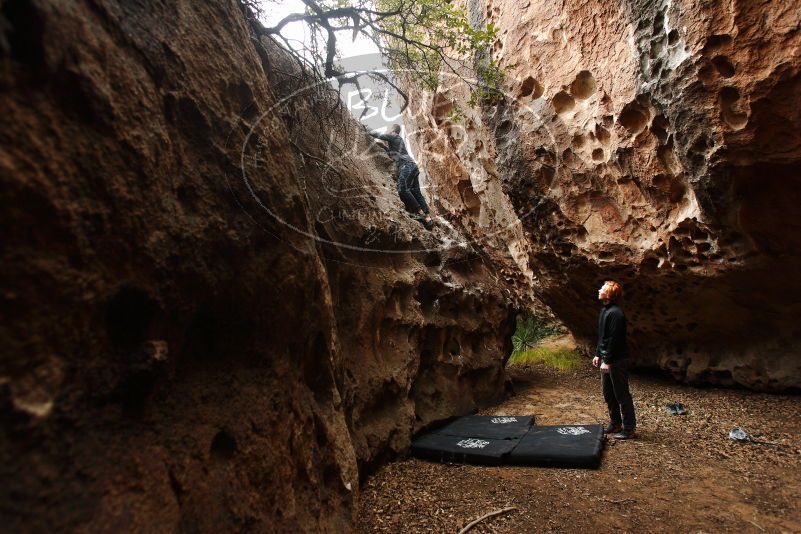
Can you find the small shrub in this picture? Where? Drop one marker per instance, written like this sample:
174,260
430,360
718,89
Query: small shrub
530,331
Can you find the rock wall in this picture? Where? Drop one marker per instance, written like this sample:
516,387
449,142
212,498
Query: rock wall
216,313
652,142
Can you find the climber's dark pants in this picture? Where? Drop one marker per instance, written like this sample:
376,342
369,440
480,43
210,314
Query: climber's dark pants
409,188
615,385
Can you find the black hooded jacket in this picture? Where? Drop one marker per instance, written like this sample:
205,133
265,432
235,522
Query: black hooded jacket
612,334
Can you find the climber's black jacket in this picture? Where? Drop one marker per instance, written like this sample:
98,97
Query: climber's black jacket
612,334
396,148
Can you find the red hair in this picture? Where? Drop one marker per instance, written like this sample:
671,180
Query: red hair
614,290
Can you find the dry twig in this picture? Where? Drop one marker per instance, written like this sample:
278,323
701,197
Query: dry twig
485,516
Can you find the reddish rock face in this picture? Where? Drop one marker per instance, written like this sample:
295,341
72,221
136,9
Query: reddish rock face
183,345
652,143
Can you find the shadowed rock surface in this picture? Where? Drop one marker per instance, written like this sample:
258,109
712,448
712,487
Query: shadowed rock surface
656,143
179,350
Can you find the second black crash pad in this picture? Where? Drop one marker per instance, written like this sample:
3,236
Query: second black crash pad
560,446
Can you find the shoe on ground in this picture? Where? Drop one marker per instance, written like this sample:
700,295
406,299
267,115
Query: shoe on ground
612,428
625,434
676,408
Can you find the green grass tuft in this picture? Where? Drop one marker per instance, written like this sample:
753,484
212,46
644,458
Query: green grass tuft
530,331
562,359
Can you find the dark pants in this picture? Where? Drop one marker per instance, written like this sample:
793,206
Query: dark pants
615,385
409,188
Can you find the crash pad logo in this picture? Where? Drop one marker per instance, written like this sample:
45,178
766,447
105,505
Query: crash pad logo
472,443
503,420
572,430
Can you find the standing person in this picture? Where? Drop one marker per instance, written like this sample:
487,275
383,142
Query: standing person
612,356
408,176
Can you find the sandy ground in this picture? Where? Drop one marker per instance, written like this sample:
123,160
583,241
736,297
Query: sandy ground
682,474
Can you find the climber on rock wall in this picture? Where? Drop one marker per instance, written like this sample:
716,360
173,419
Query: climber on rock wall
408,175
612,356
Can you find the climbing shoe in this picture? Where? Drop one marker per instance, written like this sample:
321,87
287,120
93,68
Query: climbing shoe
611,428
625,434
422,220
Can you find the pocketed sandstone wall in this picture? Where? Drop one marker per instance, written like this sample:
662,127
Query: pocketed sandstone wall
656,143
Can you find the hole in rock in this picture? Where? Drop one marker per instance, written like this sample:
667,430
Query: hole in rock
668,159
223,446
723,66
661,181
129,314
563,102
471,200
598,154
503,128
531,87
454,348
633,118
432,259
602,134
729,103
698,234
657,47
426,295
659,23
659,127
578,141
673,37
650,264
677,191
583,86
717,41
656,67
701,145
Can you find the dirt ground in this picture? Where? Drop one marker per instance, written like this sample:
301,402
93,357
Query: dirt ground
682,474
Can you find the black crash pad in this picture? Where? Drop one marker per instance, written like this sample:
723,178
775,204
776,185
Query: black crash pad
445,448
488,426
560,446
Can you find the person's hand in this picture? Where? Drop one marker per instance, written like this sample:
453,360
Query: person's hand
596,361
604,366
